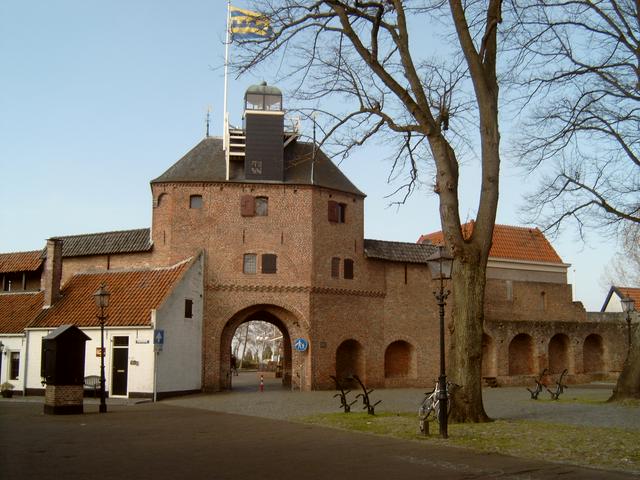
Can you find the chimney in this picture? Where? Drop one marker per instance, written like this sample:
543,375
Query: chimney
52,272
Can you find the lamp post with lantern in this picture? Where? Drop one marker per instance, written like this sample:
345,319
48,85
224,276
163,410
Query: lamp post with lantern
440,266
101,298
628,306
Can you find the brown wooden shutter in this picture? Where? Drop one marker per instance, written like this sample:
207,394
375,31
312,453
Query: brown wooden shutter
334,211
247,206
269,263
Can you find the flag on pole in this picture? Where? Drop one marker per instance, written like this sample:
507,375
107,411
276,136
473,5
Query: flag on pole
249,25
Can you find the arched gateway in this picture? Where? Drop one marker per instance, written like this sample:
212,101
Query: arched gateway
282,319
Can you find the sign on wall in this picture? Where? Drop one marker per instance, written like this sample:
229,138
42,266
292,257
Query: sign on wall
300,344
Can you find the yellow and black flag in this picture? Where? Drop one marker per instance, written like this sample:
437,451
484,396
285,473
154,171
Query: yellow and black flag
249,25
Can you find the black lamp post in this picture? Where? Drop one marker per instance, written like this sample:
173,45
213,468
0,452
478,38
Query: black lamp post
628,305
440,265
102,301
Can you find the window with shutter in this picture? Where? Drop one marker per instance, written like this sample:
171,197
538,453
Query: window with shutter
262,206
195,201
335,267
348,269
342,212
247,206
269,263
334,214
249,263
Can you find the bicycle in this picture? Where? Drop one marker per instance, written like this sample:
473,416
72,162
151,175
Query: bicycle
430,406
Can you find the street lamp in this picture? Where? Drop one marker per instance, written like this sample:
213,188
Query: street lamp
440,265
102,301
628,305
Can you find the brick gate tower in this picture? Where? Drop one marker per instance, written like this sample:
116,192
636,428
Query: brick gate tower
282,232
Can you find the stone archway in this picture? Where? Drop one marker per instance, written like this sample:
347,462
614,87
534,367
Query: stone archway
350,361
593,354
282,319
558,353
521,355
399,360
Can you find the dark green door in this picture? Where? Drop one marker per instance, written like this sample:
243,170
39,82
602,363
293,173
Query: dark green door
120,366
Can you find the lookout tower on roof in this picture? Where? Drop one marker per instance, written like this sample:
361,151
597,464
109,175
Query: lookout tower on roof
258,148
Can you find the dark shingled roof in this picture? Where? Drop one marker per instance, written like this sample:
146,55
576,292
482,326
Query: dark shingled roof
398,251
206,163
105,243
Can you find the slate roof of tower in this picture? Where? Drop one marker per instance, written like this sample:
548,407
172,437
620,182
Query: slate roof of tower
20,261
509,242
133,294
206,163
17,310
123,241
398,251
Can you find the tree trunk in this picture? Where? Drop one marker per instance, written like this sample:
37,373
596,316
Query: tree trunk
465,352
244,347
628,385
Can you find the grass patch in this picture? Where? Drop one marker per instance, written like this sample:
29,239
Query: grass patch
608,448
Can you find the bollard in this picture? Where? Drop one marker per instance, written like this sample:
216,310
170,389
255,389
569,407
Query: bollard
424,426
262,383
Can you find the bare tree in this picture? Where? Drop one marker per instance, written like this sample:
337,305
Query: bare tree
580,64
624,270
365,54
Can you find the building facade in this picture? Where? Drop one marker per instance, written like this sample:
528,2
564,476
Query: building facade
279,232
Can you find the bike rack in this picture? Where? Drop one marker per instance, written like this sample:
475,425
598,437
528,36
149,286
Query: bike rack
539,385
365,397
559,386
343,395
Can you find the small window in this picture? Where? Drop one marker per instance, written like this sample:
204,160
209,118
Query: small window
120,341
188,308
160,199
195,201
14,366
337,212
509,286
335,267
249,265
269,263
342,212
348,269
543,301
262,206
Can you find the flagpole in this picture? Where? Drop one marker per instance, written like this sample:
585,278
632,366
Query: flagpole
225,120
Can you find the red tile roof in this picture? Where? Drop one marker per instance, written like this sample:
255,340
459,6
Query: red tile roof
509,242
20,261
133,294
17,310
632,293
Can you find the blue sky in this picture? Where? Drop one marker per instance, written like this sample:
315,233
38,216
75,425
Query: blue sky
98,98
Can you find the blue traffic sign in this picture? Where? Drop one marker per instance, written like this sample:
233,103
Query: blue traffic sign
158,337
300,344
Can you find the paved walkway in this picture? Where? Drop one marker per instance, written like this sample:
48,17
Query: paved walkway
200,437
165,442
500,403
